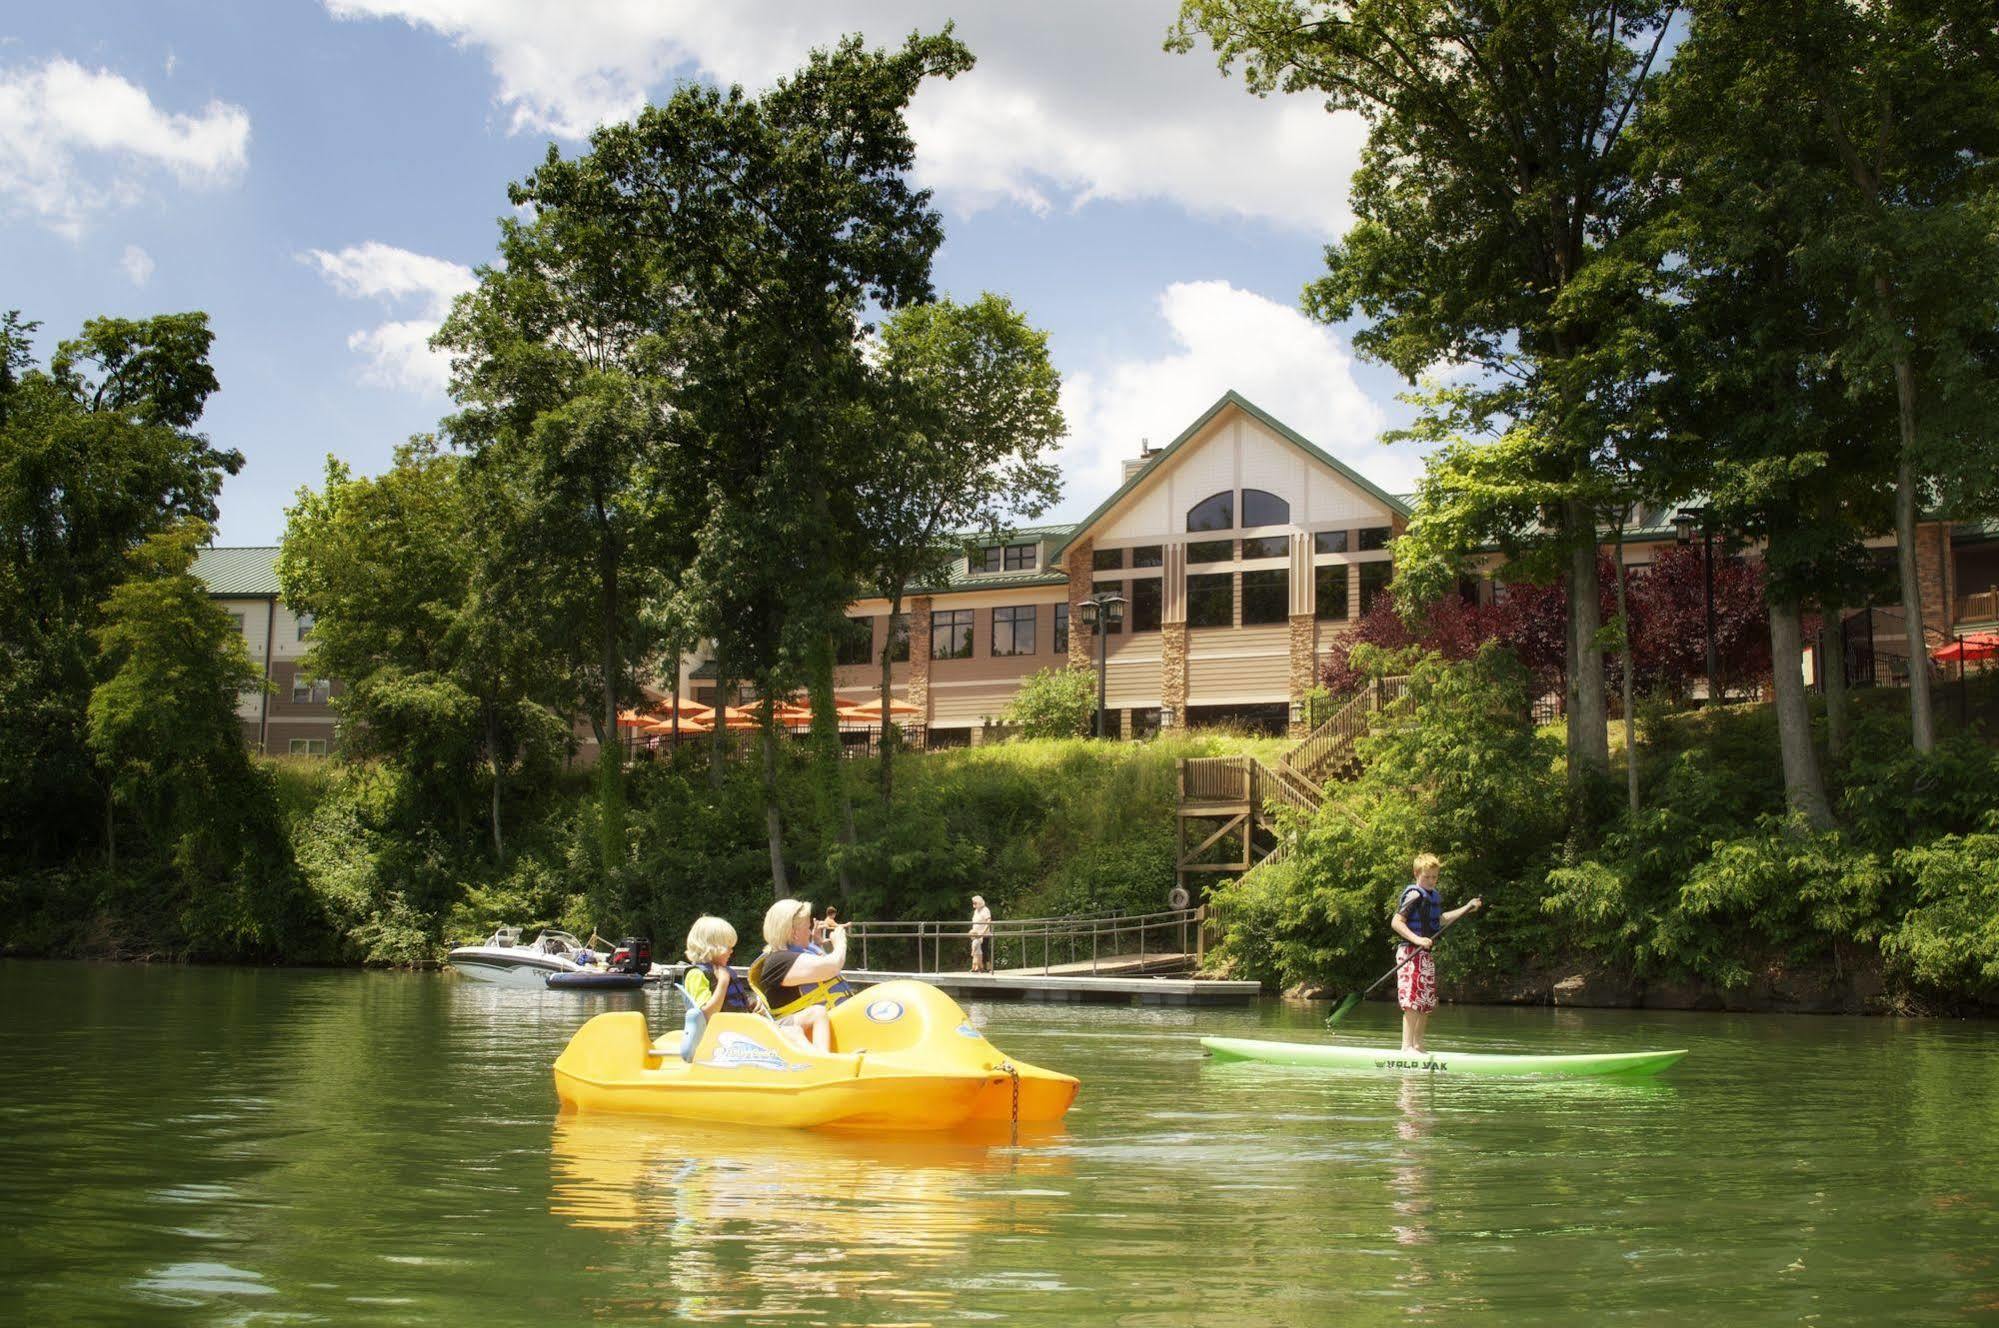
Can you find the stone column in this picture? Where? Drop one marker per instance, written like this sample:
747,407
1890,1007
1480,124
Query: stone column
1304,667
1933,577
1173,670
1082,641
919,660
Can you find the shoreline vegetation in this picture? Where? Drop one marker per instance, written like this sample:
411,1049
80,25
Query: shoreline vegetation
1707,901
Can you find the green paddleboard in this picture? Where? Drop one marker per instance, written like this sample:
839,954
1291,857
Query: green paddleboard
1390,1060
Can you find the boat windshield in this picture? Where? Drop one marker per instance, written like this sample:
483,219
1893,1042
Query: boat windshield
506,938
557,943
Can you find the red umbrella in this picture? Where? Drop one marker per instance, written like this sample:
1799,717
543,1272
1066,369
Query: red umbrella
1979,645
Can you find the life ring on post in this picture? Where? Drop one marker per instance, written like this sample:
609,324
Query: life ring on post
1178,898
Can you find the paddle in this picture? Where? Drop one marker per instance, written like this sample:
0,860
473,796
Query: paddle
1351,1002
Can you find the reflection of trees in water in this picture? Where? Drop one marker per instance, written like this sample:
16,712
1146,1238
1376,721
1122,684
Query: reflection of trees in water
721,1220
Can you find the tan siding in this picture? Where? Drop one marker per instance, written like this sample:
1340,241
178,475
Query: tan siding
1246,664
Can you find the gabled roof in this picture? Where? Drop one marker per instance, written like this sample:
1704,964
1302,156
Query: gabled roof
239,572
1268,421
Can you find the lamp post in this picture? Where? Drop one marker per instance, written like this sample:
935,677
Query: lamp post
1099,612
1685,521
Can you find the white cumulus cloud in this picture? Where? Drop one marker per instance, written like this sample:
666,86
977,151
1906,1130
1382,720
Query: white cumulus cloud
416,285
1223,337
75,142
1070,103
138,264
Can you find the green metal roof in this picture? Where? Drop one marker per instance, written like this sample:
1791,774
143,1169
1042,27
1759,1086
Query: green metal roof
236,573
1257,413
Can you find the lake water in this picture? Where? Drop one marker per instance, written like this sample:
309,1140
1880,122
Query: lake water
235,1146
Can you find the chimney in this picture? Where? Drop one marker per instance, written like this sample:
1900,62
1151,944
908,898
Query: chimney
1144,458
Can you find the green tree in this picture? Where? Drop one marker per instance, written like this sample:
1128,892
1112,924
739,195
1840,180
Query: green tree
163,725
969,412
1887,117
97,453
1497,172
1054,703
766,226
444,680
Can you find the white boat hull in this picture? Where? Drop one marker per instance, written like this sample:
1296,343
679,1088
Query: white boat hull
506,971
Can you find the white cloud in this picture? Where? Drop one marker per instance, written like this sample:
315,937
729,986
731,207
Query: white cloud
1070,103
76,141
1223,337
398,351
138,264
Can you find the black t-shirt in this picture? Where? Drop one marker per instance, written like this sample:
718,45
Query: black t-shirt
770,972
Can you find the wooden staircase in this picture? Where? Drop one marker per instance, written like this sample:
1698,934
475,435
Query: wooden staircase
1221,796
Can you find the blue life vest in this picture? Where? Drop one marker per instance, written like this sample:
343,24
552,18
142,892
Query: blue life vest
740,999
1425,915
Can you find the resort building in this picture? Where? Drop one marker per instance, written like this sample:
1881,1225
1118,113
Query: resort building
293,715
1242,552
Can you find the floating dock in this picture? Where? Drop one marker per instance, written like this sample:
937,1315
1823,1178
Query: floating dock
1075,987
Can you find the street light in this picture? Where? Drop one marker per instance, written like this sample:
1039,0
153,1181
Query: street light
1685,522
1107,610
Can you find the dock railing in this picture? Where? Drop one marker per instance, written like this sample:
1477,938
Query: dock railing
1127,941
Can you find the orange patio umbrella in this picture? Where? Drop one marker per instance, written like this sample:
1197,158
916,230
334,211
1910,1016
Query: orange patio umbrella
688,724
870,712
1977,646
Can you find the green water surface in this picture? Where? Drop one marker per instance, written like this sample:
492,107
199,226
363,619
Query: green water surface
232,1146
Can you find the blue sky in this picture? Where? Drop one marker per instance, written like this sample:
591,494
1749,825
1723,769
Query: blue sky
321,175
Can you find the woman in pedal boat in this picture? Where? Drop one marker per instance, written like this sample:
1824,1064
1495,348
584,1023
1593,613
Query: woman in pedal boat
798,982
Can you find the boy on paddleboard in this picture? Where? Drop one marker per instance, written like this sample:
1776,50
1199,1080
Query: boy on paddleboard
1419,918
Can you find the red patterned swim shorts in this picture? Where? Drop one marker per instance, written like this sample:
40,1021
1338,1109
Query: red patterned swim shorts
1416,981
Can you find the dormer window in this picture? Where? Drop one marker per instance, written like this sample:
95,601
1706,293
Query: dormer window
1010,558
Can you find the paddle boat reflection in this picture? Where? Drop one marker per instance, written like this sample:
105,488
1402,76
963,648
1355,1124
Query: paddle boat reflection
715,1221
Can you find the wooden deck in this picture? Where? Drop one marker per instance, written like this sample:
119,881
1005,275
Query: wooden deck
1076,987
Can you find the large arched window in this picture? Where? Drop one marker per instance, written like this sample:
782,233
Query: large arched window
1214,513
1264,509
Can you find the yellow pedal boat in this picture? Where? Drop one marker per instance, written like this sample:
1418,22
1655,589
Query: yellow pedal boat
905,1057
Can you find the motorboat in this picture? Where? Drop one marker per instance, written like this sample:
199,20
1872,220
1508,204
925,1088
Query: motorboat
904,1056
502,958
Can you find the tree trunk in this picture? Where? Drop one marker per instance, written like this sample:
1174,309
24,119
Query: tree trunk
610,754
110,831
718,735
888,730
1589,715
835,798
493,759
1922,722
1624,663
1832,668
1804,788
780,883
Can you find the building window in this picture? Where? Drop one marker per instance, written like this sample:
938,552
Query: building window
1211,551
242,624
983,560
1332,591
1374,578
307,747
1142,722
1375,537
1330,541
856,643
1266,597
1107,560
1260,508
1149,555
1020,557
309,691
994,558
898,639
1216,513
939,739
1109,588
1013,631
1211,600
1061,629
951,633
1148,602
1269,546
304,626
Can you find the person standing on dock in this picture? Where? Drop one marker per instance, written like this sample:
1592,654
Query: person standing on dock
1419,918
982,931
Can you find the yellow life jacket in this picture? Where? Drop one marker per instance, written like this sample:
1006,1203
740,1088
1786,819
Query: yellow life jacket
829,992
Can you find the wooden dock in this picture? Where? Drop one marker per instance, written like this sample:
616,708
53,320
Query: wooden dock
1076,987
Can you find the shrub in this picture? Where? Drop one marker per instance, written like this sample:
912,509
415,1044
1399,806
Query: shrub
1054,703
